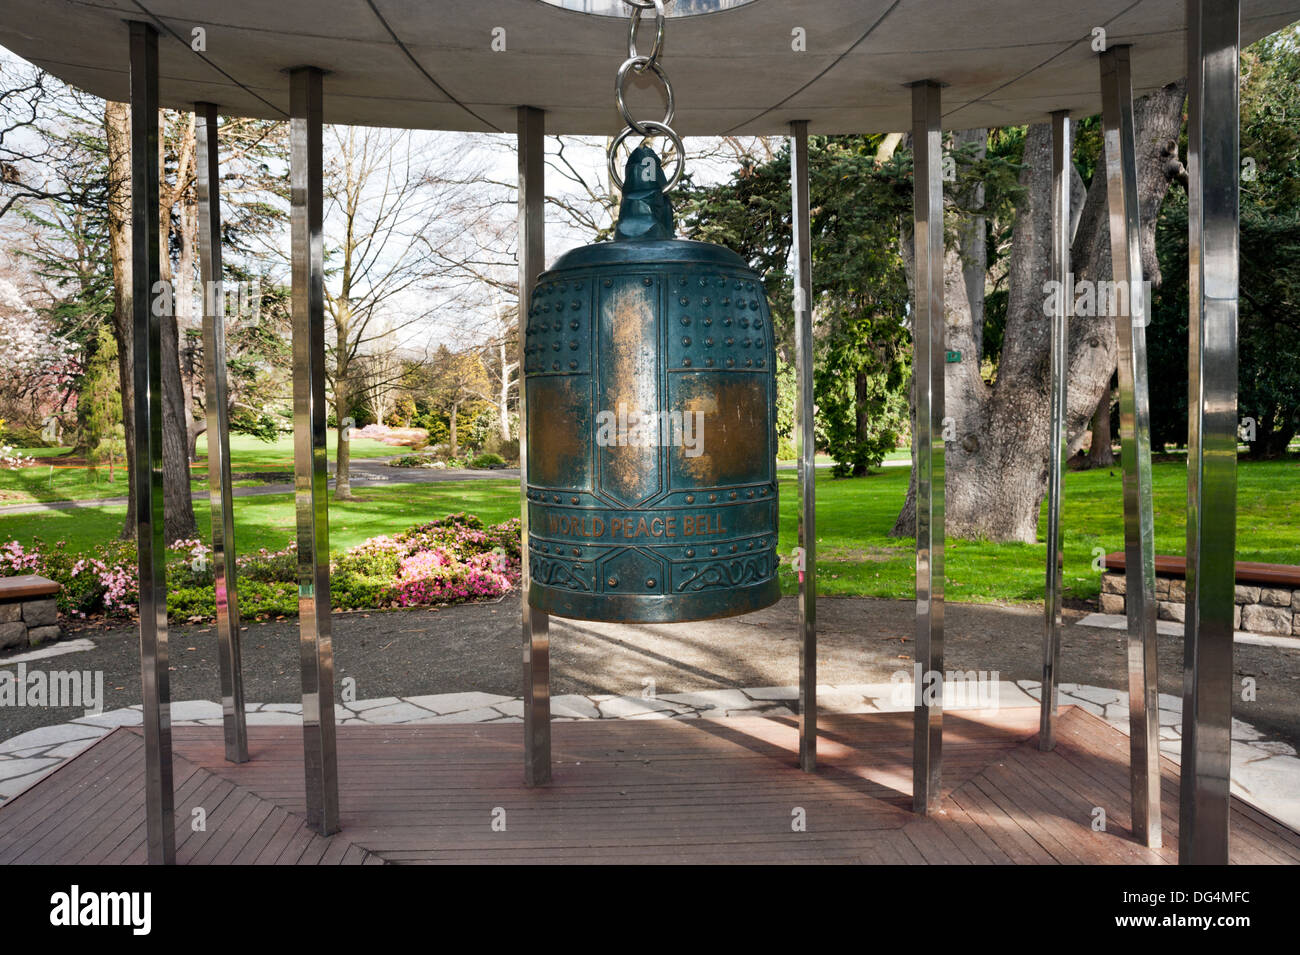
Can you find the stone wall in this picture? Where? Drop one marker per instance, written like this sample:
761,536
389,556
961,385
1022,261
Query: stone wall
1271,610
28,622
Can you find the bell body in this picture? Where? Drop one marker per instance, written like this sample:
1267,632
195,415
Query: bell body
652,496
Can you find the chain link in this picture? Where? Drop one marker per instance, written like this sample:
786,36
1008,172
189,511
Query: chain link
640,63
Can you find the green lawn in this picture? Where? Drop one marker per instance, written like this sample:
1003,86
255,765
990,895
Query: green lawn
855,553
51,480
250,454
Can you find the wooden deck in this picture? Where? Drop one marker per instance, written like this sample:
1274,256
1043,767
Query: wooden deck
645,791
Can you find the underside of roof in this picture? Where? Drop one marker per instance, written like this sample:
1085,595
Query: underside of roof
431,64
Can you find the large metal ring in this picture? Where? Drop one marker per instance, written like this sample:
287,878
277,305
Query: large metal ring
640,63
634,24
662,128
642,4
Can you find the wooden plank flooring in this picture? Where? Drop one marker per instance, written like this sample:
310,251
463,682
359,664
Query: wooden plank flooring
646,791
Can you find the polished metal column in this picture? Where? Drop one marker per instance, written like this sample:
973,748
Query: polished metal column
225,586
310,470
1213,164
151,544
1056,438
1135,441
535,623
927,379
805,445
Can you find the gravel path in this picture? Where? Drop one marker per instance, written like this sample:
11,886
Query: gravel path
476,648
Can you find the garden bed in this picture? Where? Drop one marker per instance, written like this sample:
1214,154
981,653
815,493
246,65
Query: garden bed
454,559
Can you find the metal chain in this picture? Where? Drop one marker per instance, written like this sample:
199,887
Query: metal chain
640,63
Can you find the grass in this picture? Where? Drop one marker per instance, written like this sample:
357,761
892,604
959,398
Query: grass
855,553
50,480
250,454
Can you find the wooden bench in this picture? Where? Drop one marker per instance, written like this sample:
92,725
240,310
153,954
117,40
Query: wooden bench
29,611
1267,596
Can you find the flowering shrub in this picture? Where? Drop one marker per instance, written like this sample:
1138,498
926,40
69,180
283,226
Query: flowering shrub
270,566
448,560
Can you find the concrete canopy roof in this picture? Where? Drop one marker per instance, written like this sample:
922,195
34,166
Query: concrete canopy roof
429,64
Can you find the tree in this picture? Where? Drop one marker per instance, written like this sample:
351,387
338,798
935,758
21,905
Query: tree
395,211
1268,328
459,380
996,464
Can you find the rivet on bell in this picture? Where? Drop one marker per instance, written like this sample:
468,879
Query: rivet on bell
749,363
686,363
555,366
690,552
732,495
690,498
686,320
731,362
577,552
733,548
713,551
573,500
650,582
706,299
683,301
713,497
686,340
557,498
708,362
573,345
647,281
575,324
613,581
573,364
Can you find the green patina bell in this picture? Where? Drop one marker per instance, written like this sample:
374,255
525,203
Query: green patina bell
648,364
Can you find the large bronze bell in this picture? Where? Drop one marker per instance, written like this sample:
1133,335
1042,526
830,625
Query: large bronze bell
651,455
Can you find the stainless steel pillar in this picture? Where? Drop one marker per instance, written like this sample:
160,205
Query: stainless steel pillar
1056,439
805,445
535,623
208,186
146,349
1135,441
310,471
927,378
1213,144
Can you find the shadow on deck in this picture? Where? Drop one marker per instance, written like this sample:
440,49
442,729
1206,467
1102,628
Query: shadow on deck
626,791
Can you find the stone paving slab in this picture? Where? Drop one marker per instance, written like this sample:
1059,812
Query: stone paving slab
1265,773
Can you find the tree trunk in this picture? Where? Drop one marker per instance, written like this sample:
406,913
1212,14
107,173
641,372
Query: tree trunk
455,445
178,508
1101,454
862,414
117,137
503,408
996,468
343,451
